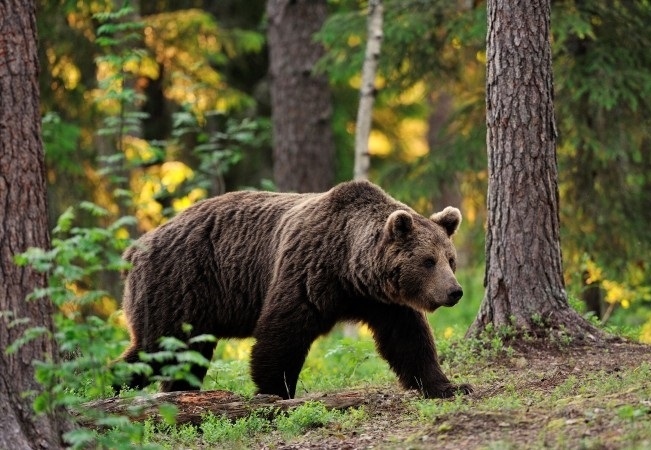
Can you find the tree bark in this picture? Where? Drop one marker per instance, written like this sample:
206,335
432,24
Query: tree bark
524,272
192,406
368,91
23,224
301,101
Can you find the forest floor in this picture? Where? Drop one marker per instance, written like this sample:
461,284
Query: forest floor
536,396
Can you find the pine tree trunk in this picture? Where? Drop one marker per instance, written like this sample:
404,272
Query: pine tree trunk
524,273
301,100
23,224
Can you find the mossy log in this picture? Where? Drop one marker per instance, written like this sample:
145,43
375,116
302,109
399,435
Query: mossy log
192,406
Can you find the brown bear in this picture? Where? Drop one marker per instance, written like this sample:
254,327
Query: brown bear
285,268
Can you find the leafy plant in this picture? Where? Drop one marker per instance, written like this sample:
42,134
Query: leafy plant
216,430
87,342
119,36
221,142
307,416
177,358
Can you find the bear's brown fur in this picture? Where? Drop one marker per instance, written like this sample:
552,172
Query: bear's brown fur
285,268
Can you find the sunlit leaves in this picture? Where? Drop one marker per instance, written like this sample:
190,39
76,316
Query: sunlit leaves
191,47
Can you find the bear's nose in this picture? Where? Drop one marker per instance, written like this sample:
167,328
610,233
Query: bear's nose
454,295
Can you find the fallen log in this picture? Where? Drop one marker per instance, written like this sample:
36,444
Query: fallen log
192,406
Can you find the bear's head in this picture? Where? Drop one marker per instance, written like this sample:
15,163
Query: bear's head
420,259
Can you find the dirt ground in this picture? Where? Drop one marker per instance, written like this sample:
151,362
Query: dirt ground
578,421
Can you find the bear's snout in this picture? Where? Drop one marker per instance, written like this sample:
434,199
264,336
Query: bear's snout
454,295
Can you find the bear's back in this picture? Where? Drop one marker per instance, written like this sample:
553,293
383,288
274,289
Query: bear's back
216,255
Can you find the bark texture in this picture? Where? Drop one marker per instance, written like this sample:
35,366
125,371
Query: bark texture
301,101
23,224
367,91
192,406
524,273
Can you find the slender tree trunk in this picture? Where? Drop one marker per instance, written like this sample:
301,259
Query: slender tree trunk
367,91
301,101
524,272
23,224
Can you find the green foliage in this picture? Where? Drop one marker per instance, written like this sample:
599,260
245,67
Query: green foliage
90,345
196,71
633,413
604,86
118,35
307,416
348,362
428,410
77,255
220,144
60,142
230,374
87,343
242,433
218,430
178,359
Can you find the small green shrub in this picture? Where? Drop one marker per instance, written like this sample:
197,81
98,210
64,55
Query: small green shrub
216,429
307,416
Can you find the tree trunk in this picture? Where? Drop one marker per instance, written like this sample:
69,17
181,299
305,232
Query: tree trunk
23,224
524,272
367,91
301,101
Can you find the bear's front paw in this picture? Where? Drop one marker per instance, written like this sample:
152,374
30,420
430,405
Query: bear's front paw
449,390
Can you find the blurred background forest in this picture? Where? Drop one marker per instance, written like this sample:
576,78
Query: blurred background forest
151,108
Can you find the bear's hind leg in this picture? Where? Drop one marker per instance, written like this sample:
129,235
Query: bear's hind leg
283,340
275,366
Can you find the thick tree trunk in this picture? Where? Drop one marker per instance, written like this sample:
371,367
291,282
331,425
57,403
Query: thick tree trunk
524,273
301,101
23,224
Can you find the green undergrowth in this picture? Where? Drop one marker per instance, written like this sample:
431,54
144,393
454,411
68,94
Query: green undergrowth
520,401
261,425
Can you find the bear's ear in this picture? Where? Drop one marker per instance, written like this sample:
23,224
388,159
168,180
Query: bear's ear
449,219
399,224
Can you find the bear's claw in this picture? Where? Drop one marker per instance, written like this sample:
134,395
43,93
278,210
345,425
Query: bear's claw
450,390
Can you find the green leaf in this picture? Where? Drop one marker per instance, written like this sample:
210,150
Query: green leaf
202,338
172,344
94,209
80,437
113,421
193,357
65,221
168,412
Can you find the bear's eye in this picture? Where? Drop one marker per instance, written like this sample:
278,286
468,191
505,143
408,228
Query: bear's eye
429,263
453,263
